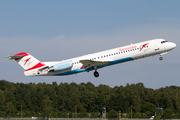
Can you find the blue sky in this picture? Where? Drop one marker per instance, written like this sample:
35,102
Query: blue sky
61,29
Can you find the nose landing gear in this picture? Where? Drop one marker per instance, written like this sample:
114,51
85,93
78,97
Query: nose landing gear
96,74
161,58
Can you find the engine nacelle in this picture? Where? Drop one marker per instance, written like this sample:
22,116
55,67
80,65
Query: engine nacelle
61,66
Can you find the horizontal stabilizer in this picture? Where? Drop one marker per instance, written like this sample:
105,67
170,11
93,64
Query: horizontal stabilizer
15,57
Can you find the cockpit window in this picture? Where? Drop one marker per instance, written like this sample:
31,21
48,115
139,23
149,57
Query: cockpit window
164,41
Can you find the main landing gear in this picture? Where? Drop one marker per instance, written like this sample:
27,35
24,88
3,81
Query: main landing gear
96,74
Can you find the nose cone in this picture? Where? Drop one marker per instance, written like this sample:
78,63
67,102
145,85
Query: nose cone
170,46
174,45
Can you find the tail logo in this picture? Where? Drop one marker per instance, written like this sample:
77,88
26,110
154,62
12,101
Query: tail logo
26,60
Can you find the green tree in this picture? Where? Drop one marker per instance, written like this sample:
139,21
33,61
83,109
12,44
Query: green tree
10,109
46,106
167,113
83,115
112,114
2,101
146,106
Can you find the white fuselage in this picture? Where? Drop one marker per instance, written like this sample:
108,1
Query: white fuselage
109,57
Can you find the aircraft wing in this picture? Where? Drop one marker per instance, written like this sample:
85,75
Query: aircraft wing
87,64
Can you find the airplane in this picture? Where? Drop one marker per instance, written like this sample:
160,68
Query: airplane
93,62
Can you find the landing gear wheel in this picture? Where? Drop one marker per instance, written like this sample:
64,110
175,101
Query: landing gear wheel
96,74
161,58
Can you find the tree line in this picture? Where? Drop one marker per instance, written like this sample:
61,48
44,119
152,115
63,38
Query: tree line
86,100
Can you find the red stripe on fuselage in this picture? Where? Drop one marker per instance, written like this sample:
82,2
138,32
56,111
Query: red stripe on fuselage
36,66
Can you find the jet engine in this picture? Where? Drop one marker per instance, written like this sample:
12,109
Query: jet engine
61,66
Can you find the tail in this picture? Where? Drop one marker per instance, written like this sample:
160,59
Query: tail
27,61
